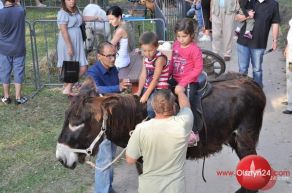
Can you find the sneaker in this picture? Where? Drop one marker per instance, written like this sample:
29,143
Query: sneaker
193,139
5,100
248,35
21,101
205,38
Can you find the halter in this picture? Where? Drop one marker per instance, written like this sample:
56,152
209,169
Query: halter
88,151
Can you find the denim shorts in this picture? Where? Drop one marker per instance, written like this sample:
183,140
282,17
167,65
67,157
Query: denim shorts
9,63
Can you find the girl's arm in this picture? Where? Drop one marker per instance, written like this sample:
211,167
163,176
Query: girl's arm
142,79
193,74
66,37
159,64
118,35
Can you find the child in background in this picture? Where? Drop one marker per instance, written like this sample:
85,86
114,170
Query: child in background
155,72
187,64
245,6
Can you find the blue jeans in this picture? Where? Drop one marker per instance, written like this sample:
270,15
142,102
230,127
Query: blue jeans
197,9
150,111
104,179
254,56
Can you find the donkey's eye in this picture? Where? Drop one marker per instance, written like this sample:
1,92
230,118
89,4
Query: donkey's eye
76,127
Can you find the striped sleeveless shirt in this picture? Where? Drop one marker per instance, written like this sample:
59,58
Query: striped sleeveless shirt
150,67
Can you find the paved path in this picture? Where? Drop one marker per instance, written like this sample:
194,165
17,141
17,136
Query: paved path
274,143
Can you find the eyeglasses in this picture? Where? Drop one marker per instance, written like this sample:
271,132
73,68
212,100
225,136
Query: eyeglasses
109,56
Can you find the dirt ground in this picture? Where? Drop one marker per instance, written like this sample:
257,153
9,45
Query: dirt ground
274,143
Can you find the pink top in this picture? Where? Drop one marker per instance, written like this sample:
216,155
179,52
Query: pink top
186,63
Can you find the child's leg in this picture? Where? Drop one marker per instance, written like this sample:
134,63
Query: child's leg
249,25
150,111
194,100
249,28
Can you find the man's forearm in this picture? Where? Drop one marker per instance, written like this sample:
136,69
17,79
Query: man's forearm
183,100
275,31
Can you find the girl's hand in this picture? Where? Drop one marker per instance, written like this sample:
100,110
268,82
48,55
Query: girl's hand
143,99
70,51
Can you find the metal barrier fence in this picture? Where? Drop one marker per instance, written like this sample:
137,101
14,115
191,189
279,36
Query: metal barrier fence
57,3
44,37
171,11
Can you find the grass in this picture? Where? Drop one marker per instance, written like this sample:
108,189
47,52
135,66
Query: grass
28,138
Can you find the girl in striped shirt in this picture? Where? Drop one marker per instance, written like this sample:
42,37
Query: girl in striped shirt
155,72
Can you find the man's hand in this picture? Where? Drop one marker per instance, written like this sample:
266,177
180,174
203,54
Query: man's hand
182,97
124,84
274,45
179,89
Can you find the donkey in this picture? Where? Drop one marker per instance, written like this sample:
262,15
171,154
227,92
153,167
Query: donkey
96,31
233,113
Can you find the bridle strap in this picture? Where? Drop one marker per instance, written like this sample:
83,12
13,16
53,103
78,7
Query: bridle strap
88,151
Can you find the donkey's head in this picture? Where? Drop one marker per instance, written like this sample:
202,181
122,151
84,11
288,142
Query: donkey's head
90,118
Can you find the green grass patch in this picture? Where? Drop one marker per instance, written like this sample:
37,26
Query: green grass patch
28,139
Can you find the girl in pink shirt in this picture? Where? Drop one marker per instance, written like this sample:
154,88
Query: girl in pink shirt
186,63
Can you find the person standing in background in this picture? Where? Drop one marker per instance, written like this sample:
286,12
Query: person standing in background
222,15
288,54
207,22
122,38
70,45
12,50
267,16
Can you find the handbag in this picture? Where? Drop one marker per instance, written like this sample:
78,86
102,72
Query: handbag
70,72
83,33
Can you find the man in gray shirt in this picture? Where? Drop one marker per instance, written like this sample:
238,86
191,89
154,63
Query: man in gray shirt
12,49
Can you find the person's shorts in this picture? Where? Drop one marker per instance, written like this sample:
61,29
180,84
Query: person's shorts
9,63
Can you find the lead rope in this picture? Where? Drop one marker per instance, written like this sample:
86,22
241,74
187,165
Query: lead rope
109,164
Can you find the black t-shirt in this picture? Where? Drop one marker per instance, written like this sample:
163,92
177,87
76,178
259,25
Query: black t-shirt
266,14
246,5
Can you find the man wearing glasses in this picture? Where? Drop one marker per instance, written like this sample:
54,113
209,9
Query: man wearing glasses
105,75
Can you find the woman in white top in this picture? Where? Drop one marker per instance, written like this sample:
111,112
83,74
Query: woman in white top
122,38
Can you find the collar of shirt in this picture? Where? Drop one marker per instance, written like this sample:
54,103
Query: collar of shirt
103,70
261,1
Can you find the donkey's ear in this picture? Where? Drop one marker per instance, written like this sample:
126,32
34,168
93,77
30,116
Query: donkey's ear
88,87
